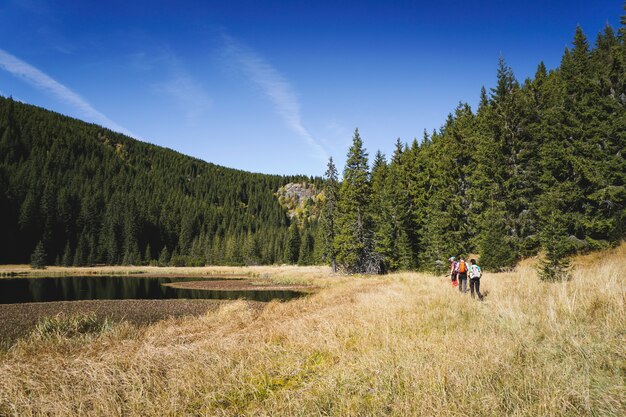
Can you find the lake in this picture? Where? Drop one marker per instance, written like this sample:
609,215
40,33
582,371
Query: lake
29,290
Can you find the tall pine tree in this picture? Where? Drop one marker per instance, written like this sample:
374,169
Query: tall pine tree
354,239
328,215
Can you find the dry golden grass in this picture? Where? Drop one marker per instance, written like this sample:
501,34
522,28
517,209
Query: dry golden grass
285,274
404,344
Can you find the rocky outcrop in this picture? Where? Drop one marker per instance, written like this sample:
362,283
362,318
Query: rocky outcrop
300,200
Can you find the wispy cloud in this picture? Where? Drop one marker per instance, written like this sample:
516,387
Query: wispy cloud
175,81
277,89
186,91
183,88
42,81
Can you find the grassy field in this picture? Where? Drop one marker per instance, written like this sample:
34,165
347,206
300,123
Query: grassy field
403,344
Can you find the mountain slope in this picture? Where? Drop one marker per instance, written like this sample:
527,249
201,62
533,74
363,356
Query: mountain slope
95,196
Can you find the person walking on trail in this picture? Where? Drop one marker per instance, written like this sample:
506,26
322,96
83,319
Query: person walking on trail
461,269
475,273
453,271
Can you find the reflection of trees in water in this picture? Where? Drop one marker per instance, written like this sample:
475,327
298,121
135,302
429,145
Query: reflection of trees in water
115,288
38,289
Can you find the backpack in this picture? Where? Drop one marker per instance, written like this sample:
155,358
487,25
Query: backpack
462,267
475,271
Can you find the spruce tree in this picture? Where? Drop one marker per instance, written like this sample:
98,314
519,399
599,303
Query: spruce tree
446,208
415,170
497,252
251,250
38,259
147,257
385,232
217,251
164,257
67,255
354,239
292,248
555,265
328,215
82,251
307,246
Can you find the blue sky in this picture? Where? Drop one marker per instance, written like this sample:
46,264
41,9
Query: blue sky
276,86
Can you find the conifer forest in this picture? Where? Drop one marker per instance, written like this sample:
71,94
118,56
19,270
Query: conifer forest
538,165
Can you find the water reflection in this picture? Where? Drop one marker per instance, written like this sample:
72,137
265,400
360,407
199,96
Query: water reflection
25,290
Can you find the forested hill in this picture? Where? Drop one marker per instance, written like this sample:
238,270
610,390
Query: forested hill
90,195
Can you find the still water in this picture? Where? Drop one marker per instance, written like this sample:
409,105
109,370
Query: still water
28,290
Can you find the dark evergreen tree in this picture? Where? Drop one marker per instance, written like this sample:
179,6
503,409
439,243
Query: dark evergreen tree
385,232
447,231
38,259
147,257
307,245
251,250
328,215
164,257
67,255
354,239
82,251
497,252
555,265
292,248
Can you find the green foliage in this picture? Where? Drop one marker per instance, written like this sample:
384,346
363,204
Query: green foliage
385,232
328,215
38,259
147,256
67,255
307,247
164,257
292,250
555,265
497,253
354,239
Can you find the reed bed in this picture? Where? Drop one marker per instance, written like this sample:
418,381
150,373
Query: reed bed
402,344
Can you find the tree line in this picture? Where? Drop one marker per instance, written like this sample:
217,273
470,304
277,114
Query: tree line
74,193
538,165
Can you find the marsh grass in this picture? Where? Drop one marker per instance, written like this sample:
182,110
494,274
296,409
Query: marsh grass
71,326
403,344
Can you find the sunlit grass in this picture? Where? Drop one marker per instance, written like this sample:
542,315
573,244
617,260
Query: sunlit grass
404,344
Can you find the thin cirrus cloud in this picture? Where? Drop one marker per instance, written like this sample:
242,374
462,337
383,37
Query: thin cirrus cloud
180,85
173,81
275,87
186,91
42,81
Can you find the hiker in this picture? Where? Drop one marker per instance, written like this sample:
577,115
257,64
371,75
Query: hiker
461,269
453,271
475,273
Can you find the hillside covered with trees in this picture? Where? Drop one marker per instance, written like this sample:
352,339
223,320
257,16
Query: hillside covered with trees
538,165
87,196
